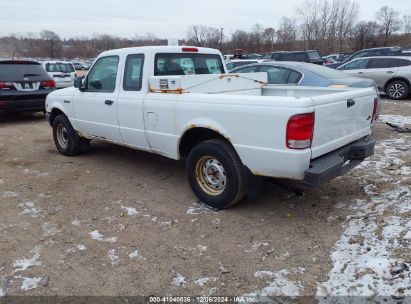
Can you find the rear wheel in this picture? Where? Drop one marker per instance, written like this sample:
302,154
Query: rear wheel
397,90
66,139
216,174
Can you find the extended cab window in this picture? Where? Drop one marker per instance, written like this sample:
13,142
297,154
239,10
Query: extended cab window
187,64
133,72
103,75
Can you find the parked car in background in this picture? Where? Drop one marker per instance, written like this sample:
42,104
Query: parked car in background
239,62
382,51
24,86
391,74
273,55
253,56
304,74
329,60
336,57
80,65
62,72
310,56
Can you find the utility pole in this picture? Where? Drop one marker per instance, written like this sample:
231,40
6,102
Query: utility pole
221,39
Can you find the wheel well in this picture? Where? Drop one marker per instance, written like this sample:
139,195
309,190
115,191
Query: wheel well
54,113
395,79
194,136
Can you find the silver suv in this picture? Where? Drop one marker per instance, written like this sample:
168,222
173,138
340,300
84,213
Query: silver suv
391,74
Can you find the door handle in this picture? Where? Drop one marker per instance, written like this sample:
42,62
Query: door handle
390,72
350,103
360,73
109,102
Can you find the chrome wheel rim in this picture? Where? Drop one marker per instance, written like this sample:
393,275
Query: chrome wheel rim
211,175
62,136
397,90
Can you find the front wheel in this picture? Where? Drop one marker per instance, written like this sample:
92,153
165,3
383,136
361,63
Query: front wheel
66,139
397,90
216,174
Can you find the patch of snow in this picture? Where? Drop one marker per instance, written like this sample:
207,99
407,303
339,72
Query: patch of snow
75,222
30,283
76,248
130,211
198,210
264,273
113,257
24,263
30,208
255,246
49,230
179,280
395,119
9,194
278,285
96,235
202,281
364,255
135,255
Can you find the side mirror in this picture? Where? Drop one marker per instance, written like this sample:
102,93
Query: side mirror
78,83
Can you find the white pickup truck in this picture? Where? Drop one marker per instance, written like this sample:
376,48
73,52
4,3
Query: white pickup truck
178,102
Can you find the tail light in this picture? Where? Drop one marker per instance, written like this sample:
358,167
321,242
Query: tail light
6,85
375,110
300,131
48,84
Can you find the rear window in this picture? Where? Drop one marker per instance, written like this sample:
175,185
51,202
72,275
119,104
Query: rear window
59,67
18,71
382,63
187,64
325,72
402,62
314,56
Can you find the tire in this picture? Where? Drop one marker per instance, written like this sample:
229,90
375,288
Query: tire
397,90
66,139
216,174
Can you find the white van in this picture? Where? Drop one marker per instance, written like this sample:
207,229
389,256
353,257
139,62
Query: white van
62,72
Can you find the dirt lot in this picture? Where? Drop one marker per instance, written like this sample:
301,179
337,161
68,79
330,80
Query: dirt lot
114,221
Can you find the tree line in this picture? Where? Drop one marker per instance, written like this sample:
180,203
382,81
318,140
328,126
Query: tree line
325,25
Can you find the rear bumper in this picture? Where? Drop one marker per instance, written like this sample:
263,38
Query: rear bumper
338,162
23,101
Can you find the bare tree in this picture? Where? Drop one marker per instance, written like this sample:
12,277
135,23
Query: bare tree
365,35
389,20
51,42
269,38
287,33
202,35
406,22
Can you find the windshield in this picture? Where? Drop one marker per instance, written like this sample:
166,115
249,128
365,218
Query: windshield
188,64
324,71
59,67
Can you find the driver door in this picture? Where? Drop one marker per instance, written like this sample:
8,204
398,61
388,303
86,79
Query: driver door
95,105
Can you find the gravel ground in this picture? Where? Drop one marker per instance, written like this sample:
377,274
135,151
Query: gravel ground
115,221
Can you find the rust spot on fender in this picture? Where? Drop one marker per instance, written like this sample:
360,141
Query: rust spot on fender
257,173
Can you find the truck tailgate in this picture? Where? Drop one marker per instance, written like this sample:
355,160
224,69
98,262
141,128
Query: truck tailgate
341,118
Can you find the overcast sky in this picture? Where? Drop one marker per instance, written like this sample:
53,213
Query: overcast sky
164,18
